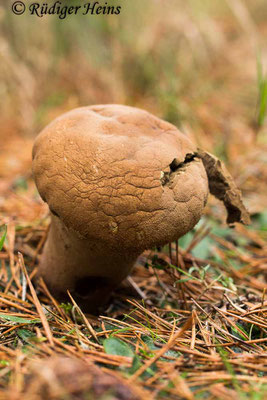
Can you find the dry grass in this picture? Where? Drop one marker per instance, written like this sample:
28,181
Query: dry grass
190,322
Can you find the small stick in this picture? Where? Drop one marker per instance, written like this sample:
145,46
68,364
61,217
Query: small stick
193,340
138,290
37,302
177,252
87,323
49,295
170,252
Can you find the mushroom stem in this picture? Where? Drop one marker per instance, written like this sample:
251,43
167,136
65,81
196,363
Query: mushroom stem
89,269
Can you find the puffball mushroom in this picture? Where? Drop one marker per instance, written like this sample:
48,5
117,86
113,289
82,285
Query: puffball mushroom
117,180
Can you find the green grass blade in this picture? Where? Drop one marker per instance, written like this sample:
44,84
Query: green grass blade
262,95
19,320
3,238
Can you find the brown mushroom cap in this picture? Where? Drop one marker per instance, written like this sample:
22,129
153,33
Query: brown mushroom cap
120,175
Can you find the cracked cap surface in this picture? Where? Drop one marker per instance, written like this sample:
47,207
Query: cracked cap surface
107,172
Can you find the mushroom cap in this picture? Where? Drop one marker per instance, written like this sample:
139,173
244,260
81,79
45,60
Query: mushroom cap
120,175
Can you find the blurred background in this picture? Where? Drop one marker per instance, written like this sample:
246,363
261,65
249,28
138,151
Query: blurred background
198,64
